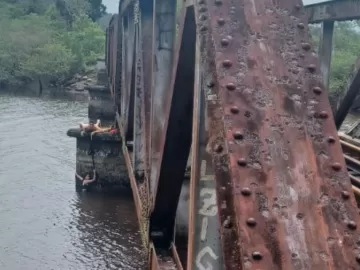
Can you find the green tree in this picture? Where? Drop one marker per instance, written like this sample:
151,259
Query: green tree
41,43
52,60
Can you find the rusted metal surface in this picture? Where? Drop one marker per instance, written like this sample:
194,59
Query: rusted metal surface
139,101
147,26
132,178
204,248
153,260
164,36
337,10
285,178
114,54
118,66
176,136
128,73
268,178
176,257
325,50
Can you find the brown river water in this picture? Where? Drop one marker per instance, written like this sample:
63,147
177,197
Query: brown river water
44,223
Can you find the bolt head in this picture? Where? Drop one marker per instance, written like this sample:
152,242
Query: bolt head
345,195
257,255
251,222
234,109
246,191
241,162
352,225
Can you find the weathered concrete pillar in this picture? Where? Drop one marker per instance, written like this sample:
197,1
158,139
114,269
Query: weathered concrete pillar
101,105
102,78
108,160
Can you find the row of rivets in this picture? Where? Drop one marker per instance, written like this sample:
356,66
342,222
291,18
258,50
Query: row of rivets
237,135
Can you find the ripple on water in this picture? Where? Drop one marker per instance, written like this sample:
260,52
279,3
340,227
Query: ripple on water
44,224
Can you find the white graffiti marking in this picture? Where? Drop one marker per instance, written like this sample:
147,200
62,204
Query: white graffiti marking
201,254
204,226
209,207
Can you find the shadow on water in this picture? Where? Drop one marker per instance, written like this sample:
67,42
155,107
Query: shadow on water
44,223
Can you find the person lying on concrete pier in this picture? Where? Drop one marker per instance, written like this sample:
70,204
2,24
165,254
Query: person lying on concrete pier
86,180
90,127
95,128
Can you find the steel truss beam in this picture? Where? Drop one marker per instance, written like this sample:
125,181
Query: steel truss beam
268,178
336,10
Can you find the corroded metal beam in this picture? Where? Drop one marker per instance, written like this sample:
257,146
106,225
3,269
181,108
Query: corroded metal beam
164,37
204,246
269,137
337,10
325,50
176,136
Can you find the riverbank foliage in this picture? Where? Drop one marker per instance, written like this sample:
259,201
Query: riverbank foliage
48,38
346,50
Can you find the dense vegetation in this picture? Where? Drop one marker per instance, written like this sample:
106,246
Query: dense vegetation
48,38
59,38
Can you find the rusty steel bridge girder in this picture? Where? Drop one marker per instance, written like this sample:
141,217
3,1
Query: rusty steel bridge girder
234,88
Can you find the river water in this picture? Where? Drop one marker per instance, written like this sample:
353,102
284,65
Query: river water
44,223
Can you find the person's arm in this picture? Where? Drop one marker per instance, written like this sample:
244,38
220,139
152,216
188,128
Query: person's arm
94,177
79,177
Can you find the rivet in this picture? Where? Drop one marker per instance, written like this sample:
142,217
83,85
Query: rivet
218,148
300,215
227,63
358,258
227,222
201,2
241,162
345,195
257,255
203,28
224,42
251,222
301,26
202,17
323,114
317,90
218,2
246,191
306,46
238,135
331,139
202,9
297,6
311,68
221,21
234,109
231,86
336,166
210,84
351,225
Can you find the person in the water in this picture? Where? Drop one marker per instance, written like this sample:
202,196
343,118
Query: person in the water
86,180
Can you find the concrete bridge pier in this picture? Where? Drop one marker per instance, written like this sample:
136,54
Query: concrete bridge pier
101,105
104,153
104,150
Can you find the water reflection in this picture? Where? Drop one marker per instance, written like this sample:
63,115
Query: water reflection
44,224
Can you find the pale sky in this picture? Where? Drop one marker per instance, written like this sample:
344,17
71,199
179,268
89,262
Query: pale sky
112,5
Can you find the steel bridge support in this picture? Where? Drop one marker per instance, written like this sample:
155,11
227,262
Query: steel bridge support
234,89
